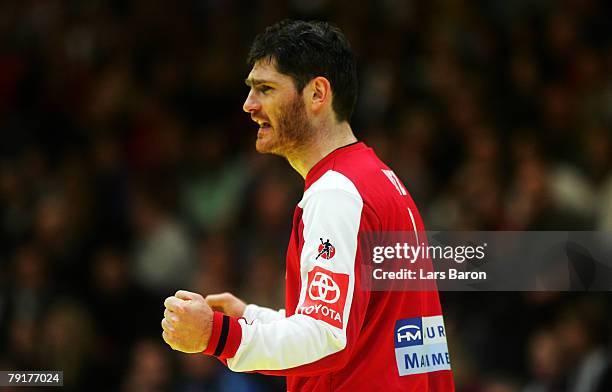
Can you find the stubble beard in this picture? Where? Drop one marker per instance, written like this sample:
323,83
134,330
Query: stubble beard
292,133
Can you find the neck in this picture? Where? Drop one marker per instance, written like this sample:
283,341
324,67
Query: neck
325,142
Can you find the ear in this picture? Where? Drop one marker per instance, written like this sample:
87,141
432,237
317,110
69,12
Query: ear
319,93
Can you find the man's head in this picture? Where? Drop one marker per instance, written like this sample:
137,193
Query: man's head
302,72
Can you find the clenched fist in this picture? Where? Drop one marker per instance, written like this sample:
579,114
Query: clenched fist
187,322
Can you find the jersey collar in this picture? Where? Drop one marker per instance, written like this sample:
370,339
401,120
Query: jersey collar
327,162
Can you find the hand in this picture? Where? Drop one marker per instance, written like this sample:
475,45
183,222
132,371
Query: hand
187,322
226,303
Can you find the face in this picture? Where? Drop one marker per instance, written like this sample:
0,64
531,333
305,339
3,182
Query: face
278,109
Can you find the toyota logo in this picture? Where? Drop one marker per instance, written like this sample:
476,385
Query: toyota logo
323,288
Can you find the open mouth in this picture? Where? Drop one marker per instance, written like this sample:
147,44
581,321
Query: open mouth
264,125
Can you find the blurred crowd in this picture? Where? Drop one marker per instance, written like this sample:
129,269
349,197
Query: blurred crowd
128,171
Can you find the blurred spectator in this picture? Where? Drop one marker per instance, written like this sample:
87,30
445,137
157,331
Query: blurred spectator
211,192
149,369
207,374
582,335
162,258
545,362
67,342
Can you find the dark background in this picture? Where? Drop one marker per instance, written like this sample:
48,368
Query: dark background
128,170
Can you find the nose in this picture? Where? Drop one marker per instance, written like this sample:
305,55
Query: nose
251,104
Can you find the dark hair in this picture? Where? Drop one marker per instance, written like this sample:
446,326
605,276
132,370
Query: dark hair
305,50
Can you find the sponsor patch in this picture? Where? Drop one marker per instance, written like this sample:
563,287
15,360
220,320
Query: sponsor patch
325,296
420,345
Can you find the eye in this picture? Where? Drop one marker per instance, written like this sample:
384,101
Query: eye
263,88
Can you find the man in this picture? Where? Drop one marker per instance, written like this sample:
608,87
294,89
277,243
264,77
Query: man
334,335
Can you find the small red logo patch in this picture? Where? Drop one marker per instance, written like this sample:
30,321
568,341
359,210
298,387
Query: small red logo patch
325,296
326,250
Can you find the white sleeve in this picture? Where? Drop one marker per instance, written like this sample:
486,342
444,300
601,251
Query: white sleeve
331,214
254,312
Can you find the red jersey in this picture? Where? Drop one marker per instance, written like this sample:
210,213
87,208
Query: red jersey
334,335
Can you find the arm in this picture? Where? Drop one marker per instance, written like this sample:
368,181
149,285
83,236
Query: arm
254,312
319,337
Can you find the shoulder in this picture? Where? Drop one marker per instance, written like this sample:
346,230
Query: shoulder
334,195
330,185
